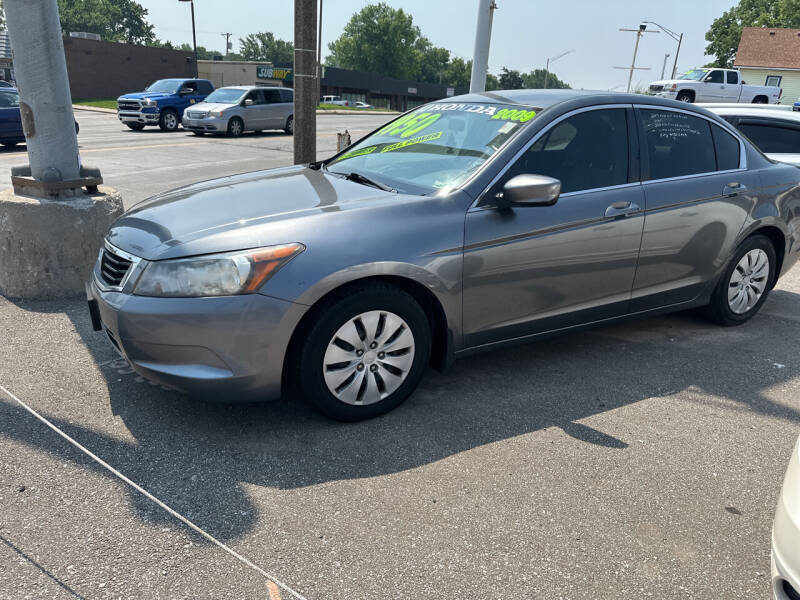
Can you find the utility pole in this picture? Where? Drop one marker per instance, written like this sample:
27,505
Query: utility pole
305,81
227,37
549,60
642,29
664,66
194,39
483,38
319,54
675,65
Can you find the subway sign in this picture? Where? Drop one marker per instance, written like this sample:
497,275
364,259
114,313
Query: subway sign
273,73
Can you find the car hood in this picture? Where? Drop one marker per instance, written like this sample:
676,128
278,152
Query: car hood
143,95
665,82
209,106
238,212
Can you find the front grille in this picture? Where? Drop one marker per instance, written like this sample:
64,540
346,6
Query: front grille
129,105
113,268
656,88
196,115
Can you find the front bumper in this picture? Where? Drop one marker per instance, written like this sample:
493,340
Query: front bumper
149,117
228,349
209,124
665,94
786,532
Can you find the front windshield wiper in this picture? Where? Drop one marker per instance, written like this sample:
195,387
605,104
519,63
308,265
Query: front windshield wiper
363,179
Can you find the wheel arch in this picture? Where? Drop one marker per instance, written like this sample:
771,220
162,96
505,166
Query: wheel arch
442,350
689,91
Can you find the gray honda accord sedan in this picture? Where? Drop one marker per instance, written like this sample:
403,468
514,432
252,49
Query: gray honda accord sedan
463,225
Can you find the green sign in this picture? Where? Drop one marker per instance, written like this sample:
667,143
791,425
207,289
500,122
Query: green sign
274,73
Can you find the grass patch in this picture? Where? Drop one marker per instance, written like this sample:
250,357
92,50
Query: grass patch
98,103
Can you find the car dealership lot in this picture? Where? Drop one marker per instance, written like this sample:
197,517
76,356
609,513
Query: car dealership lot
147,162
640,460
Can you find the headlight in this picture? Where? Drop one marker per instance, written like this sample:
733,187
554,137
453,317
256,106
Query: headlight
215,274
149,102
217,113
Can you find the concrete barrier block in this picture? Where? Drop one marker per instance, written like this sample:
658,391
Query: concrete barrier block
48,247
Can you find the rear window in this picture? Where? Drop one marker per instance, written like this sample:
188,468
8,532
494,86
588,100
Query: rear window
733,77
727,149
677,144
204,87
9,99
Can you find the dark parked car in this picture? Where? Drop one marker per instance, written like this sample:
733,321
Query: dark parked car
10,119
464,225
162,103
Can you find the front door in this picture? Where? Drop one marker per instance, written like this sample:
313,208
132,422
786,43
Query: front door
713,87
529,270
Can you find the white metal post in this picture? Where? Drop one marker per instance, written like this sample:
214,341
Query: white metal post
483,37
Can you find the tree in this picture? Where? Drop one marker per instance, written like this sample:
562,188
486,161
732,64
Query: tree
510,80
535,80
113,20
266,47
726,31
380,39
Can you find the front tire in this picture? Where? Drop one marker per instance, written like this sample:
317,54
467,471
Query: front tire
169,121
745,283
365,353
135,126
235,127
685,97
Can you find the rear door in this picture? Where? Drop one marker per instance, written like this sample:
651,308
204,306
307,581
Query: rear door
696,189
732,89
287,105
273,112
529,270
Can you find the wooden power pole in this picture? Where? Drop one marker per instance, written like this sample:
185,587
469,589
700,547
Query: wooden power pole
305,81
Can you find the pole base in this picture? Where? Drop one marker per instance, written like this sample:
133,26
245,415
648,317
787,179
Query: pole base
48,247
25,185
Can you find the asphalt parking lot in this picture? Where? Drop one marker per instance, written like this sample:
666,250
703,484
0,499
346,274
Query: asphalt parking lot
636,461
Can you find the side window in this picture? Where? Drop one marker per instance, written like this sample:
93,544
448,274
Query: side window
677,144
190,86
586,151
716,77
255,96
204,87
272,95
773,138
733,77
773,80
727,149
287,95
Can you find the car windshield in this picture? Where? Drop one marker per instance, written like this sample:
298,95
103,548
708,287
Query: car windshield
225,96
9,99
165,86
694,74
434,147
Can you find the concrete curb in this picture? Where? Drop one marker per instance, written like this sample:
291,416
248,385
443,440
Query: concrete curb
93,109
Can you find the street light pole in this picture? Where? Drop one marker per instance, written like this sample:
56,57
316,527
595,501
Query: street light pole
678,37
194,38
664,66
675,66
483,38
642,29
547,67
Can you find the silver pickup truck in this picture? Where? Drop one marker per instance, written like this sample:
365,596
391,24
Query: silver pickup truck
715,85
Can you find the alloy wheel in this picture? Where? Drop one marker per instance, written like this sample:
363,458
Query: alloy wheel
368,358
236,128
171,121
748,281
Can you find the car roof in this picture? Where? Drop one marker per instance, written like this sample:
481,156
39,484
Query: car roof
751,111
546,98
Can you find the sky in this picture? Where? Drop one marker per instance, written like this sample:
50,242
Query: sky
525,33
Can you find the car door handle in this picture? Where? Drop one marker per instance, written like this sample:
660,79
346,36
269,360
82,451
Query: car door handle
734,188
621,209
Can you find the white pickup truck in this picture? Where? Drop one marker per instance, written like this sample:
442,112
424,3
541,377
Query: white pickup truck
715,85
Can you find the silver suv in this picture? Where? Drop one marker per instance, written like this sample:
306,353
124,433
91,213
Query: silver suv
234,110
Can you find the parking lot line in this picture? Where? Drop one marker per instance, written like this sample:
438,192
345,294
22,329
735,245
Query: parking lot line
272,582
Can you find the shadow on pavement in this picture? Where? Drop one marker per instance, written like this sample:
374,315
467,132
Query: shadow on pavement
196,456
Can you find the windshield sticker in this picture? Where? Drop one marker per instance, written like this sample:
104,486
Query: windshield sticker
457,106
408,125
520,116
361,152
417,140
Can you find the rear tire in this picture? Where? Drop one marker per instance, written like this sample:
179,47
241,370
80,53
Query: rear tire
685,97
390,350
135,126
169,120
289,129
199,133
760,100
745,284
235,127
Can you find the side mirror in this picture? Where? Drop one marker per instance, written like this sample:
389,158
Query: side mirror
248,102
185,91
530,190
